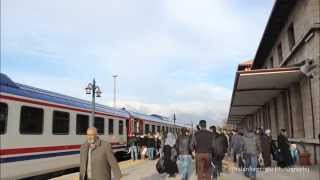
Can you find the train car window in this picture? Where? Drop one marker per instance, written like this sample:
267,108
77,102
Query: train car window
3,117
153,128
120,127
31,120
82,124
146,128
60,123
110,126
99,124
158,129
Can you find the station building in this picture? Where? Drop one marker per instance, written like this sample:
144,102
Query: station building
280,87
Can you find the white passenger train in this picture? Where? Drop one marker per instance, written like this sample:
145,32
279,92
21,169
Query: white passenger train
41,131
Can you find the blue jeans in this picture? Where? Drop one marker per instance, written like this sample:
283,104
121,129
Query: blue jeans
251,165
134,152
184,163
150,152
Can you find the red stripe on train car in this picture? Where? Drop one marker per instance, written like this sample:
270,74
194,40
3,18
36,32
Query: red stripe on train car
37,149
41,149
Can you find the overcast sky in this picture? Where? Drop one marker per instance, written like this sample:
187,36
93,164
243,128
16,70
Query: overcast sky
172,56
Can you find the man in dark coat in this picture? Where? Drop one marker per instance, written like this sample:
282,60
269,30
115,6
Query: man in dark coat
284,145
151,144
266,147
202,143
97,159
219,148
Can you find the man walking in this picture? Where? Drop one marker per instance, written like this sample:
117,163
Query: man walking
97,159
184,149
283,143
266,147
236,145
150,146
251,149
220,146
133,149
202,143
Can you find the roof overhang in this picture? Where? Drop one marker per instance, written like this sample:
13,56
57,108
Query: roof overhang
254,88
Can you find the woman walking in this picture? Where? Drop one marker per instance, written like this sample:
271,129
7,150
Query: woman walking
170,154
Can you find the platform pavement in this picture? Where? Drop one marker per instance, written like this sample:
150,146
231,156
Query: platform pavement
145,170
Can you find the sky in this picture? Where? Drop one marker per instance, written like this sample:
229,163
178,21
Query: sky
171,56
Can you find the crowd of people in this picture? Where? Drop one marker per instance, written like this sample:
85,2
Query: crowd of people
143,147
248,149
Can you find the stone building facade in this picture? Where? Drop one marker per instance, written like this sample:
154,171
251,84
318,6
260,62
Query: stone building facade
290,41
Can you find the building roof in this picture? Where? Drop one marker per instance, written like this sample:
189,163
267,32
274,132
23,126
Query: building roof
275,24
248,62
254,88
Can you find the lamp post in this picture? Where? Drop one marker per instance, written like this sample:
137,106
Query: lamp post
93,89
114,90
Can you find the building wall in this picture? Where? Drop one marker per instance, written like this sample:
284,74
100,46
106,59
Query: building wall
304,16
274,118
298,109
315,82
297,117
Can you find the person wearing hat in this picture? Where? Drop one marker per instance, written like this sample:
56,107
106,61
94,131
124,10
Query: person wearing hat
202,144
284,146
266,147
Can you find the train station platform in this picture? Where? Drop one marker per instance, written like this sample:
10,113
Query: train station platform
145,170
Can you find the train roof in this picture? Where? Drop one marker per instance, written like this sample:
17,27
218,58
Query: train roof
153,117
142,116
9,86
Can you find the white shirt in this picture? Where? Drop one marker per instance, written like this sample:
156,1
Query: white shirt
89,171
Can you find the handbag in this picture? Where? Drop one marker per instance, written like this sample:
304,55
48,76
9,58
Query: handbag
160,165
174,154
260,160
277,156
215,172
144,151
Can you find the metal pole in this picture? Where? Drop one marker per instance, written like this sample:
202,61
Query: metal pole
192,127
114,90
93,102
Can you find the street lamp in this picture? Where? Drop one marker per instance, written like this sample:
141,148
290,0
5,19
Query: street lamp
93,89
114,90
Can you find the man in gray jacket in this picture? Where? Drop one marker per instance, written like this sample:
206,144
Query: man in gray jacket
251,149
236,145
97,159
